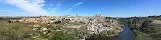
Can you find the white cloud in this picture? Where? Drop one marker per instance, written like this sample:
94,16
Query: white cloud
59,5
54,10
34,7
75,5
78,4
8,10
69,9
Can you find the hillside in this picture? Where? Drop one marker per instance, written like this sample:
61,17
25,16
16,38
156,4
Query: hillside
145,28
59,27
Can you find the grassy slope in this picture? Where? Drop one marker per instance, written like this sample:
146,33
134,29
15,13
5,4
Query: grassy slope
14,31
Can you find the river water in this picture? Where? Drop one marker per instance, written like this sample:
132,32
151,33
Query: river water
126,34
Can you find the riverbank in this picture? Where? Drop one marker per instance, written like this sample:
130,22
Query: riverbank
126,34
141,36
145,28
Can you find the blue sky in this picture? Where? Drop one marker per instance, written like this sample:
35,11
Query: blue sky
113,8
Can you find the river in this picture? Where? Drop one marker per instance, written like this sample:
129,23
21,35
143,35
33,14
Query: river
126,34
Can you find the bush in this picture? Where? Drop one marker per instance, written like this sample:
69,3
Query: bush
63,36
